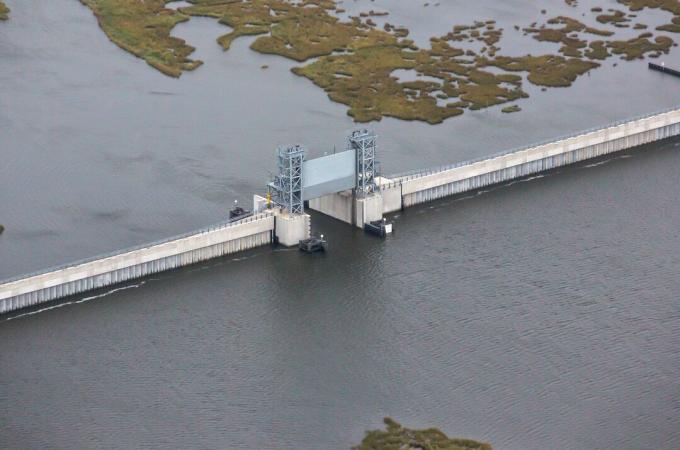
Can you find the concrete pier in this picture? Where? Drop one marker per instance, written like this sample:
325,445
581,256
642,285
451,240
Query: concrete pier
292,228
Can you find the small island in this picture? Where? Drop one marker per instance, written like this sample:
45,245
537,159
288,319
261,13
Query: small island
511,109
398,437
4,11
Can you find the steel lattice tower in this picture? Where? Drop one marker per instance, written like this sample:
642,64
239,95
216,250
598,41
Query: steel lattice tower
363,143
287,184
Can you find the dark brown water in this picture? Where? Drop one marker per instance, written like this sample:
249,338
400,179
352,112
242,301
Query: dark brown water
541,314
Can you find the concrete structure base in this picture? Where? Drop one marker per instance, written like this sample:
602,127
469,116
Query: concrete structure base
368,209
290,229
354,211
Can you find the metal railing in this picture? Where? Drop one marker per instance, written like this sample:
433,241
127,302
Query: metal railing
390,184
208,229
418,173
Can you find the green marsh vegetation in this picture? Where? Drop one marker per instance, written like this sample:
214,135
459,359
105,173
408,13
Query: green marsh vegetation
575,45
4,11
673,27
617,18
511,109
354,60
397,437
143,29
671,6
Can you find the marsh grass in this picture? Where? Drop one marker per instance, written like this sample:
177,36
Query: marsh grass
617,17
673,27
397,437
638,47
143,29
511,109
4,11
354,61
671,6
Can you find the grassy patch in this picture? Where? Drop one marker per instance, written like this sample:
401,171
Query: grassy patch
673,27
638,47
363,80
567,34
511,109
545,70
355,60
143,29
616,17
4,11
672,6
396,437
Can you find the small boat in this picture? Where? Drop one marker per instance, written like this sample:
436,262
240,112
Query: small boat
237,213
313,244
379,228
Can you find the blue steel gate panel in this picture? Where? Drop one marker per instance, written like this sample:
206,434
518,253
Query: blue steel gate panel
328,174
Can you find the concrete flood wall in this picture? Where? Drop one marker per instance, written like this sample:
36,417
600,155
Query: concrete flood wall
391,192
134,263
437,183
395,193
401,191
